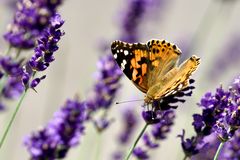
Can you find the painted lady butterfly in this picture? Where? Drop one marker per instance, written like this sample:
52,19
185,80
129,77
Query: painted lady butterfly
153,67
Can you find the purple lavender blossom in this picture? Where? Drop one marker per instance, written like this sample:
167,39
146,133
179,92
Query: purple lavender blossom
44,52
220,115
129,122
61,133
209,149
107,84
129,119
30,19
13,88
233,147
20,75
140,153
229,53
11,67
101,124
131,20
11,84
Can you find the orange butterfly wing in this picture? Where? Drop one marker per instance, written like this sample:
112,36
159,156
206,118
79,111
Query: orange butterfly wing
133,60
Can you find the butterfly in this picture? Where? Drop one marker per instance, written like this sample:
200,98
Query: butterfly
153,67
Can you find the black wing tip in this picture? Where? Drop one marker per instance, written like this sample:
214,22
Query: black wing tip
115,44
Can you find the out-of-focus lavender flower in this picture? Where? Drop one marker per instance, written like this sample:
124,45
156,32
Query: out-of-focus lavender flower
10,66
233,147
158,132
13,69
140,153
229,53
44,52
220,115
101,124
13,88
107,84
209,149
30,19
61,133
11,84
129,120
131,19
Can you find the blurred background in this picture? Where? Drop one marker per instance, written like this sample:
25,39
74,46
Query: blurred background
209,29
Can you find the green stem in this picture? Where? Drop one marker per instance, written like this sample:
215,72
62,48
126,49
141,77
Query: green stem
2,82
8,50
136,141
218,151
98,146
12,119
185,157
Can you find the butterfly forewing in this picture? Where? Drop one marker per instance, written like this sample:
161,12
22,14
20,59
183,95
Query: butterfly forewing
132,59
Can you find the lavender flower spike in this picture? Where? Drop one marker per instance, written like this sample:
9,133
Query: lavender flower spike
106,87
30,19
61,133
44,52
220,116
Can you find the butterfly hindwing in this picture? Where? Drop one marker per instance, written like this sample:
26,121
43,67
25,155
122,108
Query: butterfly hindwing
176,79
132,59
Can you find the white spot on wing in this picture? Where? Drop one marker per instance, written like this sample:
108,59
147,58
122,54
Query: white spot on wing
121,50
125,52
115,56
124,62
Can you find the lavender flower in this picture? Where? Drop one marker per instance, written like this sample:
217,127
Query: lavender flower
220,115
61,133
13,88
20,74
229,53
129,119
30,19
209,148
107,84
44,52
233,147
11,84
11,67
130,122
131,20
140,153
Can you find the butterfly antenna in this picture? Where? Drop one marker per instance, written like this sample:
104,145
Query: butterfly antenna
129,101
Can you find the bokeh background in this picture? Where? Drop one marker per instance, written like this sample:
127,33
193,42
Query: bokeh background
209,29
